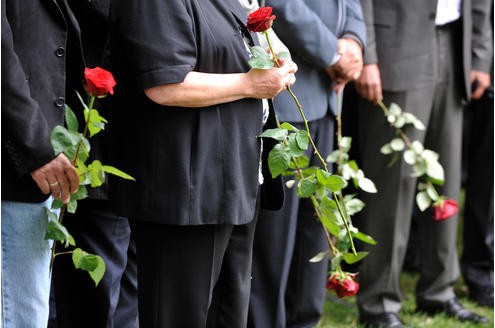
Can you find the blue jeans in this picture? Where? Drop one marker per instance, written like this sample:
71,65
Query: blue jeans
25,265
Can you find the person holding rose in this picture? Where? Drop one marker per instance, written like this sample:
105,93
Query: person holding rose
41,57
422,55
187,116
325,39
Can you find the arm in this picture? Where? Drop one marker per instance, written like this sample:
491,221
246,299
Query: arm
369,85
207,89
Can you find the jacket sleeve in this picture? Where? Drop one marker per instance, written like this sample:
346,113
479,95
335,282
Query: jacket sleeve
25,130
370,55
354,21
482,39
303,32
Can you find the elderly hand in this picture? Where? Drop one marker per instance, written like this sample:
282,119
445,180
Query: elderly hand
369,83
482,80
350,64
267,83
58,177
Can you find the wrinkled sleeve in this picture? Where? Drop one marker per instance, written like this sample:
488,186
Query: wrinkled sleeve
25,131
303,31
158,38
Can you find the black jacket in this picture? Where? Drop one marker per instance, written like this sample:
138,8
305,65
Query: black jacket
41,57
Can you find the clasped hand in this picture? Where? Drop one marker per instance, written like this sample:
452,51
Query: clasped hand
350,64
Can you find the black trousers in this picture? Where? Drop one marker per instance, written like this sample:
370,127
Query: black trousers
113,303
288,290
477,255
193,276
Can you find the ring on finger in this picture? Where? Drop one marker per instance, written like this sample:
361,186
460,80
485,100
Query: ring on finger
53,184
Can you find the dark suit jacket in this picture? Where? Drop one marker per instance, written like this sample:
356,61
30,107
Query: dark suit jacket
310,29
35,49
404,65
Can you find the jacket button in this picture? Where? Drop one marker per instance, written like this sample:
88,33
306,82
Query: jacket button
60,52
433,16
60,101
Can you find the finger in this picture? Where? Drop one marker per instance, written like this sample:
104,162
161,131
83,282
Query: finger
41,181
64,188
73,179
54,186
478,92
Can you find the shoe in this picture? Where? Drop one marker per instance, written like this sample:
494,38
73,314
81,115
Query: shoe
453,309
382,320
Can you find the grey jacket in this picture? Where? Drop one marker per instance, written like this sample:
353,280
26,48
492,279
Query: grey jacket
402,64
310,29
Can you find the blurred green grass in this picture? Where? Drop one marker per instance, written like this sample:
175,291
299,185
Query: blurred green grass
340,313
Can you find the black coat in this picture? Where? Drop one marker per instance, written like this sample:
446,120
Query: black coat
41,57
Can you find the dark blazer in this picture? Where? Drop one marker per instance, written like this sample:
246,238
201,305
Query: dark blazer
35,49
310,30
390,20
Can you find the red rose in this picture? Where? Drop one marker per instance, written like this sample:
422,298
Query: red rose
99,82
260,20
347,287
332,281
343,287
445,209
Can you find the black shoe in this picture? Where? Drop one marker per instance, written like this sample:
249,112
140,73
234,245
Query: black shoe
382,320
453,309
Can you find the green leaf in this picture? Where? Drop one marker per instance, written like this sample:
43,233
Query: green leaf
432,193
364,238
64,141
96,122
97,173
57,203
284,55
350,258
345,144
397,144
54,229
386,149
293,146
71,119
302,139
112,170
409,157
318,257
257,51
301,161
354,206
417,146
400,122
72,206
260,63
394,109
306,188
367,185
278,160
91,263
288,126
333,157
434,170
335,183
277,134
423,200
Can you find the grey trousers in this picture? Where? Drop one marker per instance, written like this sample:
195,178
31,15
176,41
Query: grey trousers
387,215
